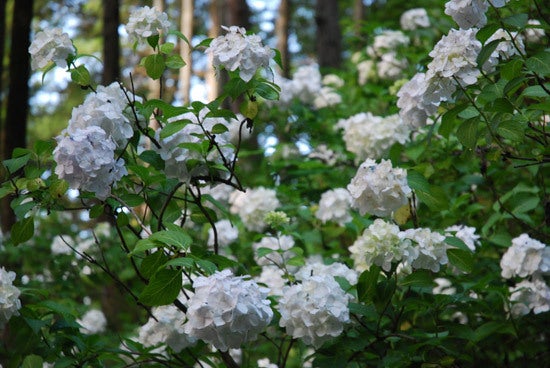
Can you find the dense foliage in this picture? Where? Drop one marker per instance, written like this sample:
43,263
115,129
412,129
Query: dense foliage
393,213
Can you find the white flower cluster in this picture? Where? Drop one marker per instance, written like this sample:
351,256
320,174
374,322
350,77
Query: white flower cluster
92,322
145,22
454,61
281,246
529,296
166,329
253,205
315,267
370,136
334,205
468,13
534,33
525,257
379,189
86,159
184,162
9,296
384,61
414,18
227,233
227,310
431,247
273,277
387,40
465,233
381,245
50,45
237,50
314,310
510,44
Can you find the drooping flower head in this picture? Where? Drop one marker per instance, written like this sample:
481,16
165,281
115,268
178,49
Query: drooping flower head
468,13
227,310
145,22
525,257
529,296
9,296
414,18
237,50
50,45
253,205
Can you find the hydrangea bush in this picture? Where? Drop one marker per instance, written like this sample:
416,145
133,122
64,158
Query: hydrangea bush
400,219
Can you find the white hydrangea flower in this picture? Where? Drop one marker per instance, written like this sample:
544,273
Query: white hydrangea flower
333,80
431,246
468,13
145,22
529,296
314,310
390,67
281,254
444,287
455,56
465,233
414,18
525,257
50,45
227,310
325,154
237,50
507,47
273,278
498,3
253,205
307,82
379,189
535,33
326,97
413,109
227,233
166,329
92,322
366,70
59,245
334,205
265,363
387,40
315,267
176,158
9,296
86,159
104,109
380,245
370,136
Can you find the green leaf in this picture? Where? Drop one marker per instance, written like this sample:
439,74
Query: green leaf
536,91
173,128
81,76
448,120
22,230
267,90
417,181
366,285
153,40
278,58
204,43
462,259
32,361
96,211
178,239
132,200
435,198
467,133
179,35
500,105
165,108
152,158
167,47
236,87
122,219
511,69
539,64
419,278
456,242
163,288
219,129
493,327
152,263
154,65
183,262
486,52
511,130
14,164
517,21
175,62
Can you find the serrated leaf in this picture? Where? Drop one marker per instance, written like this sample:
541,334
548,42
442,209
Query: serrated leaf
152,158
487,51
511,69
456,242
22,230
163,288
80,75
152,263
417,181
268,91
537,91
517,21
511,130
183,262
14,164
462,259
154,65
172,238
207,266
467,133
419,278
539,64
167,47
173,128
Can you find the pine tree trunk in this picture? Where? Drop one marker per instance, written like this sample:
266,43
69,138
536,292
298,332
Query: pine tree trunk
281,33
15,127
329,35
185,73
111,49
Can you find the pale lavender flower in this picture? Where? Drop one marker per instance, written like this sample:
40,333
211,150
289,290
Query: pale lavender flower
50,45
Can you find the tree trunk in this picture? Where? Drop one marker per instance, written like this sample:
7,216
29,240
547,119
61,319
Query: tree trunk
238,13
15,127
358,15
111,49
211,77
185,73
281,33
329,35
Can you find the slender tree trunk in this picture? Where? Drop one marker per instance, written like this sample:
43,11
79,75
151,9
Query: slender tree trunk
185,73
2,53
358,15
111,48
238,13
211,77
281,33
329,35
15,127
